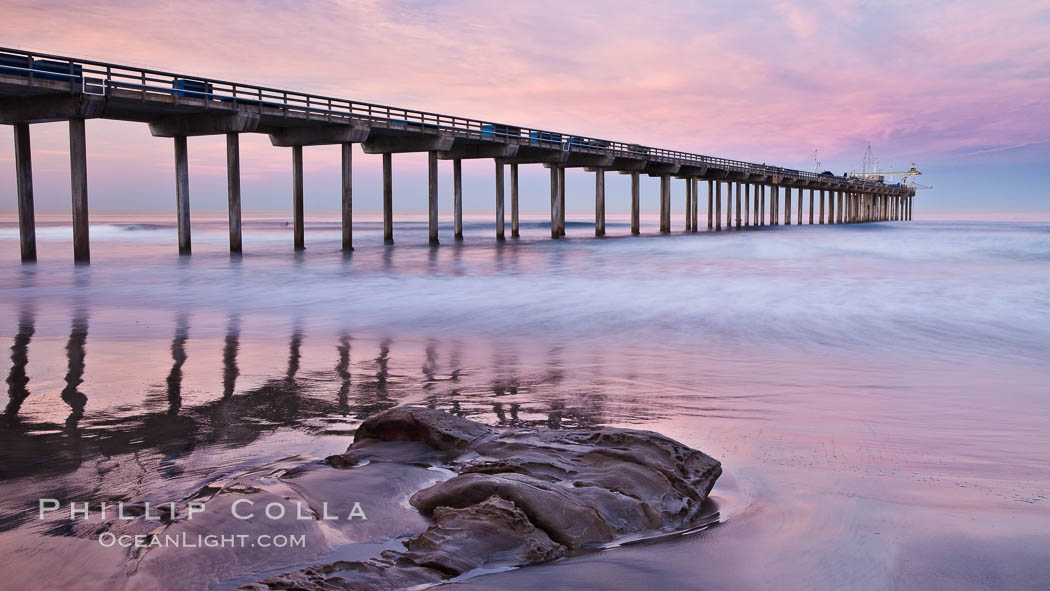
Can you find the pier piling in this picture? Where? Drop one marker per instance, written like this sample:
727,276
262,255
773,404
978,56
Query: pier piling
514,200
599,202
388,198
182,194
561,201
233,189
747,205
500,188
688,204
710,208
554,203
347,196
635,203
665,203
457,199
432,198
24,180
298,221
718,206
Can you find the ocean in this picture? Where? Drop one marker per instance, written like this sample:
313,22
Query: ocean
878,394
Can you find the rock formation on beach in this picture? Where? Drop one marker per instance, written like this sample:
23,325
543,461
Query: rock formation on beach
516,497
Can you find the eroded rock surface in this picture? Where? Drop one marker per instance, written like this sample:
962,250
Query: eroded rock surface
517,497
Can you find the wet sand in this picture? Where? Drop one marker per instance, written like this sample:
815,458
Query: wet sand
877,396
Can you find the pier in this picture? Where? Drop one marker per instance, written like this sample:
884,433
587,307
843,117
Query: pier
36,88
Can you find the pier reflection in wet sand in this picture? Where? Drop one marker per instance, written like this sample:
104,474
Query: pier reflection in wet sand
856,422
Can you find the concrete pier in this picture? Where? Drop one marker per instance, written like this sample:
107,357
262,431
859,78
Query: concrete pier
182,194
294,119
635,203
432,197
24,180
388,198
298,220
457,199
599,202
347,196
514,200
233,189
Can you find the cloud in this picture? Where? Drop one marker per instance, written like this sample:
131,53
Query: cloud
760,81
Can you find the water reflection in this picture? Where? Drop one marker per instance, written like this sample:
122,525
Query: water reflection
75,354
17,380
178,356
555,386
342,369
230,370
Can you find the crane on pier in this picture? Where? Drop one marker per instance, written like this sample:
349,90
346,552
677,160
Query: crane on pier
874,174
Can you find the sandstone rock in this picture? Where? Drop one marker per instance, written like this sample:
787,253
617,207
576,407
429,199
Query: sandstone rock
517,497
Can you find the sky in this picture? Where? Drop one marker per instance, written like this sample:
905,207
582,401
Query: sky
960,88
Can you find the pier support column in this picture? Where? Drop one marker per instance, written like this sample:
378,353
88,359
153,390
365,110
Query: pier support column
635,204
665,204
822,206
729,206
801,198
738,218
182,193
747,204
298,231
696,204
787,205
561,201
718,206
756,220
831,206
514,200
24,178
775,205
500,188
233,189
838,206
688,205
554,203
762,205
388,198
347,196
710,201
432,197
811,207
599,202
457,199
